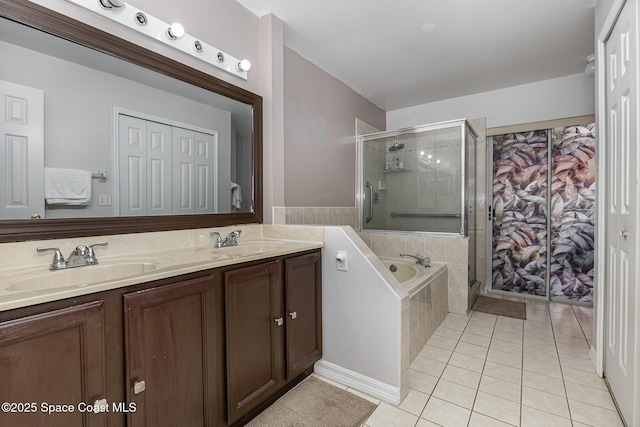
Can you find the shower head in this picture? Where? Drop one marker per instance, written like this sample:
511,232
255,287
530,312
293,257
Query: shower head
396,146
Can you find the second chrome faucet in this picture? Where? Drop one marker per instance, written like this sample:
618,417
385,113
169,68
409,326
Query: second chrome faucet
230,240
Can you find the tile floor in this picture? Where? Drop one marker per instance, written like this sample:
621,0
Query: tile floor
484,370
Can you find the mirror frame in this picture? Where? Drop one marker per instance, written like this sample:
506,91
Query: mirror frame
40,18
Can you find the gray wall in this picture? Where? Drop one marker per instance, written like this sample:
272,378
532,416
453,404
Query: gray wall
319,153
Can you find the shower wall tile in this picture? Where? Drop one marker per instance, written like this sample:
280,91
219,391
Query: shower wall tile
428,308
436,248
310,215
295,216
333,216
279,215
415,245
388,245
322,216
457,251
363,128
458,289
348,216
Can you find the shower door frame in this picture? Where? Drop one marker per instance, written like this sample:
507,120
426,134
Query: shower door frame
360,182
491,218
491,134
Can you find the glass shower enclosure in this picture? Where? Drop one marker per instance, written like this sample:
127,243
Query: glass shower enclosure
419,179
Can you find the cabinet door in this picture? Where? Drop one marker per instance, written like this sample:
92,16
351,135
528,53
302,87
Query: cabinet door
255,328
304,312
55,358
170,354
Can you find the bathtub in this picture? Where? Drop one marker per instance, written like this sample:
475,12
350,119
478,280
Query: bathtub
428,302
411,275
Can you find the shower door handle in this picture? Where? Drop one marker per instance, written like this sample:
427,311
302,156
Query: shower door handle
370,217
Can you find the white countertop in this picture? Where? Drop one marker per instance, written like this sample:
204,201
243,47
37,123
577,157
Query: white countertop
25,286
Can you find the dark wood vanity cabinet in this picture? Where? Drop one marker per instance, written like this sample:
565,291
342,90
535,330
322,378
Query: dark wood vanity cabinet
273,321
52,366
209,348
171,356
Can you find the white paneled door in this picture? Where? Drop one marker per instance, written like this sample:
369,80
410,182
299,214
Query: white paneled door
165,169
21,151
621,49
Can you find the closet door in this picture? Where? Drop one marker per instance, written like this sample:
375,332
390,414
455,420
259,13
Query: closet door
158,169
183,171
144,166
520,178
572,211
132,165
206,199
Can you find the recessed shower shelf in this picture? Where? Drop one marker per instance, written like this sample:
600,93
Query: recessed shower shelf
396,170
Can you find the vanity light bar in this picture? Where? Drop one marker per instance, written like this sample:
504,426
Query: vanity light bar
128,15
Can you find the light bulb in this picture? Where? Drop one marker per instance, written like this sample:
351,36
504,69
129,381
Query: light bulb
109,4
244,65
175,31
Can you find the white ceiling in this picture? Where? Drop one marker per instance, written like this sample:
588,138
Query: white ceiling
410,52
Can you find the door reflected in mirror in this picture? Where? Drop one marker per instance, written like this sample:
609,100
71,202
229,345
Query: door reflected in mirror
167,147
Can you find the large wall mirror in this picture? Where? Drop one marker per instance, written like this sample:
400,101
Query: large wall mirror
118,139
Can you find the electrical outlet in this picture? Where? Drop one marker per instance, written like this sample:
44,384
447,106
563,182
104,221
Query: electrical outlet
342,263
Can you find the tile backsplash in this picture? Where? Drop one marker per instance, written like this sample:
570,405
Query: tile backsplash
316,216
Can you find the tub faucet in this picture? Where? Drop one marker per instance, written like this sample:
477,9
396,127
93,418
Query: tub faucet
230,240
423,261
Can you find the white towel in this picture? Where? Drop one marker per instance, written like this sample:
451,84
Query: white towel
236,196
67,187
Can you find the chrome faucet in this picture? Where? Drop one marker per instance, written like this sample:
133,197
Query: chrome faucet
423,261
230,240
81,256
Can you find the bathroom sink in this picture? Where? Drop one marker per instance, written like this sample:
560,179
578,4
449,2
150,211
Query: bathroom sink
81,276
251,248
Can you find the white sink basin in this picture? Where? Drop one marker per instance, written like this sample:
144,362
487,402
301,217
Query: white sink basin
249,249
81,276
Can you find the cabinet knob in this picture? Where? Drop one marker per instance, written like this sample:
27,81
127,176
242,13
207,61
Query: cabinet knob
138,387
100,406
293,315
623,233
279,321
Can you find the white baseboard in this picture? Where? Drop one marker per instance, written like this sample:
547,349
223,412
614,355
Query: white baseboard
359,382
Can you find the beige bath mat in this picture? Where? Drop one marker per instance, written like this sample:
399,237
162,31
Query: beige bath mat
501,307
315,403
